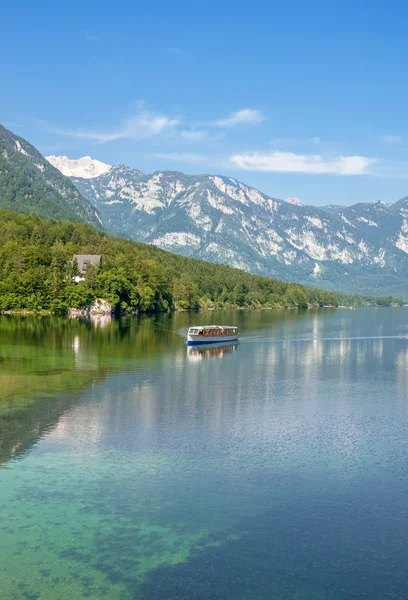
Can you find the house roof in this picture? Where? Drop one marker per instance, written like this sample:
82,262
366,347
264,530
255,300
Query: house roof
84,260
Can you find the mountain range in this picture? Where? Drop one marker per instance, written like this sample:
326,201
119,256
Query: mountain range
361,248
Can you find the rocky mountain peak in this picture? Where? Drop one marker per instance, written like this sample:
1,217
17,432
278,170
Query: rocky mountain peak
293,200
84,167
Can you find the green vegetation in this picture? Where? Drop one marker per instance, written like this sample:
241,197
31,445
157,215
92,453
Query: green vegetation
29,184
36,271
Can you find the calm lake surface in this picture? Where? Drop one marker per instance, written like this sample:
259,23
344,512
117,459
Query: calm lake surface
132,467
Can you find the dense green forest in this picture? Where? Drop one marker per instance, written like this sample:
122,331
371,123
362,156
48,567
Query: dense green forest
29,184
36,272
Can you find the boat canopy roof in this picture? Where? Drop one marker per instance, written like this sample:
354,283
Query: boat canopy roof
213,327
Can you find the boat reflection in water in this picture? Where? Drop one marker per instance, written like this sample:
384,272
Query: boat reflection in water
217,350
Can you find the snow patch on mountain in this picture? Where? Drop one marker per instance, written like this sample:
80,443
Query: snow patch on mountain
84,167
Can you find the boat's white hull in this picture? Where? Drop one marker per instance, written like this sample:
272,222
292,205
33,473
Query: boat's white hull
198,340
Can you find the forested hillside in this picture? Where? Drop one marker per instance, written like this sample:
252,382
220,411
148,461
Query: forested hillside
36,271
30,184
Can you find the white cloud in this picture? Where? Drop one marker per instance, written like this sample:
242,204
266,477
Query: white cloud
146,124
288,162
240,117
185,157
138,127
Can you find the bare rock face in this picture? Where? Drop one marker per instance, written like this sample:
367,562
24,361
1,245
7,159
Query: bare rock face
293,200
99,308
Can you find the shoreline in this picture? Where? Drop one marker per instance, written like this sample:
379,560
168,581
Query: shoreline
84,315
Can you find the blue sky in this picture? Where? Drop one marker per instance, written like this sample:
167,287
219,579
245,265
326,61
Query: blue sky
303,99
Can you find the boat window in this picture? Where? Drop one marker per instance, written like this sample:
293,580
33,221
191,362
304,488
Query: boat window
214,331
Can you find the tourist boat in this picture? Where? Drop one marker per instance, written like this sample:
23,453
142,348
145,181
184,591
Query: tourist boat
211,334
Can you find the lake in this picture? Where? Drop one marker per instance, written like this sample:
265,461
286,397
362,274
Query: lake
132,467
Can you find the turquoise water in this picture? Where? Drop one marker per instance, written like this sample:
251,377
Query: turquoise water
132,467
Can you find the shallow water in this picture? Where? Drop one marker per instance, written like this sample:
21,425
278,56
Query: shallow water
132,467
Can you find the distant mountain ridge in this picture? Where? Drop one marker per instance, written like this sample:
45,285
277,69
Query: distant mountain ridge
360,248
30,184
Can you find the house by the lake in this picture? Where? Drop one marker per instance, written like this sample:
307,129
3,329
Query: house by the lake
83,261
